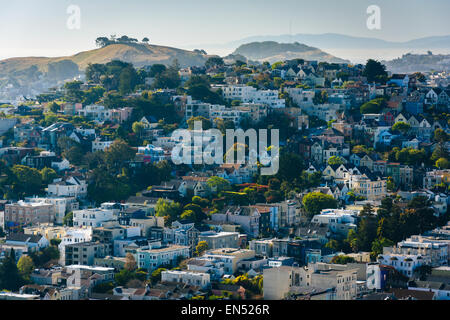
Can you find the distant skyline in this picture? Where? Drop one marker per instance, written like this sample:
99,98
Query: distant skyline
38,28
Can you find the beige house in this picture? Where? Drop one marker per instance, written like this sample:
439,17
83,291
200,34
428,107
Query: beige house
281,281
220,240
29,214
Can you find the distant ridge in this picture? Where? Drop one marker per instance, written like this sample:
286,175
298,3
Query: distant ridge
340,41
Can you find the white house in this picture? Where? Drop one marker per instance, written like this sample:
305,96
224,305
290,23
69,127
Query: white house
252,95
92,217
72,187
100,145
191,278
404,263
155,257
62,205
64,164
73,236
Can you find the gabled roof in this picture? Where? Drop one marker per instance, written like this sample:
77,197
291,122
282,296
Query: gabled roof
21,237
406,294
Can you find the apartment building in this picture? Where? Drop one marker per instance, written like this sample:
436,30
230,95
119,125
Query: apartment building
229,258
72,187
62,205
23,214
252,95
280,282
83,253
435,250
92,217
157,256
220,240
191,278
404,263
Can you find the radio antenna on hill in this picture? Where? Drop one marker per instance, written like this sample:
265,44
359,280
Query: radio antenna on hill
290,31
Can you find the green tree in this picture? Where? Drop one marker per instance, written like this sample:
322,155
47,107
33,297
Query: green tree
25,266
26,180
74,154
440,136
168,79
373,106
156,275
138,128
378,245
124,276
333,245
342,260
375,71
118,153
440,152
157,69
206,123
352,240
218,184
10,278
194,213
401,127
321,98
214,62
335,160
201,247
128,80
68,219
443,163
367,229
54,107
315,202
55,242
48,175
170,210
130,263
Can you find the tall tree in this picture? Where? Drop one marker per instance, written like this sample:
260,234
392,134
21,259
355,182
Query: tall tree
375,71
10,278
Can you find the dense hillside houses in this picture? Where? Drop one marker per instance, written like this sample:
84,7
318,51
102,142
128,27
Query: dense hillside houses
94,206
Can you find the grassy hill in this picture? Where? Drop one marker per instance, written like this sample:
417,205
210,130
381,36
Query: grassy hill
273,51
138,54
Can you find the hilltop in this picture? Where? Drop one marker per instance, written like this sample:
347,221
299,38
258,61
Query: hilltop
138,54
410,63
33,75
272,51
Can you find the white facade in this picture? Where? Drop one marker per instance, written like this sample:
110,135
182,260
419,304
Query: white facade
152,259
325,112
95,112
301,97
73,236
92,217
73,187
436,250
220,240
328,216
250,94
190,278
229,258
98,145
2,220
404,263
62,205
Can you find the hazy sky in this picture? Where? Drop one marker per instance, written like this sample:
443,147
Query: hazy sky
38,27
